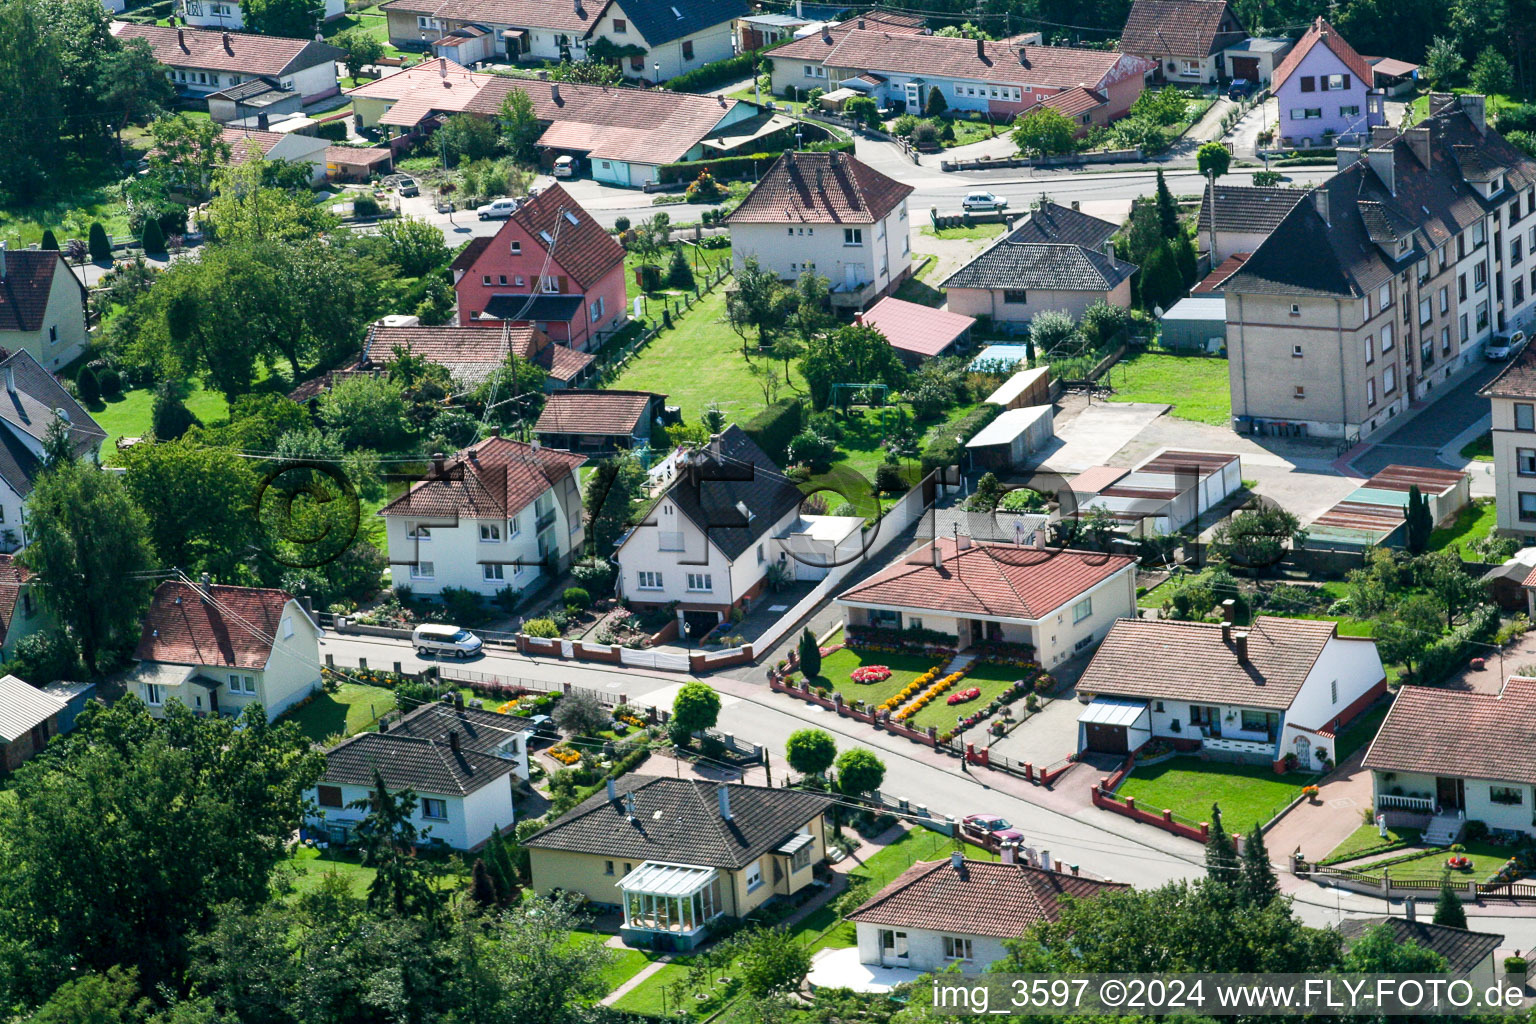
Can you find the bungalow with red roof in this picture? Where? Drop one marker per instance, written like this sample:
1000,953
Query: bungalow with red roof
1325,91
295,147
919,332
1059,601
42,306
1262,693
552,266
493,516
599,421
218,648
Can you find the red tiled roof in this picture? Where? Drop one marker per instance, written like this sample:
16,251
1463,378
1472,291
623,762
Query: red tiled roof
1057,66
1322,32
471,252
1516,380
13,576
1460,733
820,188
581,245
610,413
916,328
471,353
1074,102
26,285
215,50
1213,281
491,479
1000,580
1190,29
232,630
243,144
1190,661
815,47
364,156
978,898
559,15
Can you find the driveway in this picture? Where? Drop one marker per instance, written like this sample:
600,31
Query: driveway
1418,442
1315,829
1045,738
1244,136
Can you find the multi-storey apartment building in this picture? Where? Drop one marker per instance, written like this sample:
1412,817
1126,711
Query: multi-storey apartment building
1387,280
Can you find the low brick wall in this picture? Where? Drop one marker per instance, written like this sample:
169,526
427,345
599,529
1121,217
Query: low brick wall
605,653
880,720
704,661
1164,821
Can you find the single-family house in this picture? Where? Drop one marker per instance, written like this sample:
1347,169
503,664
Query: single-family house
676,854
1059,601
1050,223
830,213
20,612
959,912
1512,396
217,648
598,421
32,401
473,355
29,717
461,763
1237,218
728,517
552,266
1010,281
1326,91
1186,39
1467,953
655,40
493,516
42,306
294,147
916,331
901,69
227,14
1416,253
1445,757
1255,694
200,61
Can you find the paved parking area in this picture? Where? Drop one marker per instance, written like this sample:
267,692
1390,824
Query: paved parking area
1095,434
1044,739
1419,441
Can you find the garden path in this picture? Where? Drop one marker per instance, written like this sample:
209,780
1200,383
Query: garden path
1316,828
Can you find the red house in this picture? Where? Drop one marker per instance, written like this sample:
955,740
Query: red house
552,266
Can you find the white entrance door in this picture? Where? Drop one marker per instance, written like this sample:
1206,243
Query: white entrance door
914,98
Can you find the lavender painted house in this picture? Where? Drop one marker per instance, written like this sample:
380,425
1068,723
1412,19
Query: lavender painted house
1325,92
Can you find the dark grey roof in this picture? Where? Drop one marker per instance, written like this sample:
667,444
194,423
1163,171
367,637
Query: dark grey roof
545,308
1054,266
249,89
1463,950
661,21
18,466
39,399
678,820
479,730
1055,223
412,762
733,471
1247,208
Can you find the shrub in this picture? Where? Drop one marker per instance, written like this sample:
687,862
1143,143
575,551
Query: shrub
44,657
863,109
812,449
87,386
592,576
679,273
169,416
50,241
544,628
949,450
888,478
774,427
100,245
462,605
717,72
704,189
621,224
365,206
577,598
111,382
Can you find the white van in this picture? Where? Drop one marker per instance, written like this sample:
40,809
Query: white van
445,641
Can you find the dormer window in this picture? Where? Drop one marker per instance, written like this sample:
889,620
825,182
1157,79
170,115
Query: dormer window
1497,186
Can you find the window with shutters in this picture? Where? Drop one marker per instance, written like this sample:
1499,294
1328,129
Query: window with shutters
1370,350
1337,83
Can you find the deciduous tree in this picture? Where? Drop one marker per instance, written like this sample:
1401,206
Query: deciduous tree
810,751
197,500
696,707
1045,131
859,771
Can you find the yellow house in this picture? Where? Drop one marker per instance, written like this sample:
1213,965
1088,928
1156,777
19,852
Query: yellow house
676,854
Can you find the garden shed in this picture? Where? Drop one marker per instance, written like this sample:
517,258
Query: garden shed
1023,389
1007,441
1198,323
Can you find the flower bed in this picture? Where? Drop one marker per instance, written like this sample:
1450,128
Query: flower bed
999,686
905,641
870,674
964,696
564,754
927,696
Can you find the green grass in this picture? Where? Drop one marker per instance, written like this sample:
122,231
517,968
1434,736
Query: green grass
707,259
990,679
1195,386
627,962
1472,524
129,415
974,231
1359,732
919,844
311,865
916,288
1429,866
1366,841
1480,448
665,991
1189,786
835,669
351,709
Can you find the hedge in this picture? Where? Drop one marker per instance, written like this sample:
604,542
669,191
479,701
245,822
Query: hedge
715,73
948,450
772,429
335,131
727,167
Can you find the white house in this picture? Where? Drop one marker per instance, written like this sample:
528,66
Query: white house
294,147
227,13
42,306
959,913
31,402
495,515
1446,757
1512,396
1056,600
1249,693
201,61
832,214
729,516
217,648
461,763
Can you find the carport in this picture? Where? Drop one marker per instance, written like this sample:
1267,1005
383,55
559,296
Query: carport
1112,725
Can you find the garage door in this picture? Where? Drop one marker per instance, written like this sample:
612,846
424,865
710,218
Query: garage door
1245,67
1106,739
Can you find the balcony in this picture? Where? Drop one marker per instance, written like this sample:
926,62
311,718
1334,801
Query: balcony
544,521
856,297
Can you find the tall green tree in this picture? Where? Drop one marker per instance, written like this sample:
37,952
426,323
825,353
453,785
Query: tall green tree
809,652
89,546
1406,630
1441,62
696,707
760,304
133,84
614,488
1221,863
520,126
197,501
295,19
362,46
1045,131
1419,521
404,884
187,153
33,112
1448,581
859,771
1258,886
1213,158
852,354
1448,908
771,962
1167,207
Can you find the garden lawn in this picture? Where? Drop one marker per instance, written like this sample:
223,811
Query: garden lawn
699,361
1189,786
1429,866
835,669
707,259
1359,732
916,288
129,415
989,678
311,865
1195,386
1366,840
1472,524
919,844
626,964
1480,448
351,709
658,995
974,231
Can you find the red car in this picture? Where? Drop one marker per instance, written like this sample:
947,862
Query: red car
997,827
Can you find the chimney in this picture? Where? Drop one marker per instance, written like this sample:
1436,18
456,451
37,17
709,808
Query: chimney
1320,200
1346,155
554,91
227,47
262,121
938,556
1410,911
442,67
383,725
1382,134
1009,853
307,603
1109,250
1240,639
458,700
1384,163
957,860
1226,632
206,581
1045,860
10,378
858,318
1076,205
181,40
437,463
613,793
629,804
981,48
453,740
1476,108
724,795
474,456
826,33
1229,610
861,24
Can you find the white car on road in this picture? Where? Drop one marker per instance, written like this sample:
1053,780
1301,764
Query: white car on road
983,201
500,209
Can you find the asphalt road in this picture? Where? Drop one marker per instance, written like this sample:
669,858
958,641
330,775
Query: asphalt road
1416,442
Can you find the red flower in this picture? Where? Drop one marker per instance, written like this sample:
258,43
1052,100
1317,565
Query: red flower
962,696
870,674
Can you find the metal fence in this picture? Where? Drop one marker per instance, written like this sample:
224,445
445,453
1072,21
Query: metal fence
611,363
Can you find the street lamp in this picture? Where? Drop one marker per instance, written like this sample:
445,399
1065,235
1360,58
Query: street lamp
657,66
